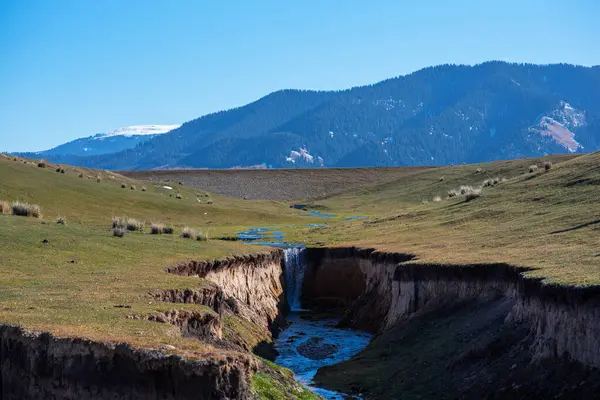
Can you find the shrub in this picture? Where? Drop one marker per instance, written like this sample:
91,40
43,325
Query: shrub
118,222
62,170
57,169
26,210
425,201
188,233
472,194
533,168
119,232
453,193
178,196
98,178
61,220
479,170
201,237
209,201
168,230
41,164
134,225
464,189
5,207
547,165
15,159
437,199
441,178
80,175
157,229
132,187
123,186
487,182
143,188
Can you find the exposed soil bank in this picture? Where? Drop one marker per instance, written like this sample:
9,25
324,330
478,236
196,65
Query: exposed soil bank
483,327
40,366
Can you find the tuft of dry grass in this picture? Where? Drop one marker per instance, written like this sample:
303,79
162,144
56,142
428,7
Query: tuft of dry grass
437,199
441,179
123,186
80,175
472,194
5,207
533,168
26,210
168,230
209,201
98,178
41,164
143,188
453,193
201,237
134,225
119,232
61,220
178,196
464,189
156,228
479,170
188,233
547,165
132,187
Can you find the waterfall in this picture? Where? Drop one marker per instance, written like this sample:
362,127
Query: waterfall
295,266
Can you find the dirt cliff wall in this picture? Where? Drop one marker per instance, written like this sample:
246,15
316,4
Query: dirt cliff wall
40,366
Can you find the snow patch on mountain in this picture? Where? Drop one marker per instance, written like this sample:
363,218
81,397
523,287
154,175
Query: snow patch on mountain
560,124
138,130
304,156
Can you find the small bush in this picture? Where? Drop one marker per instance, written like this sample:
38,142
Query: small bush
533,168
437,199
547,165
123,186
168,230
26,210
487,182
441,178
119,232
496,181
143,188
80,175
479,170
15,159
464,189
134,225
201,237
57,169
188,233
98,178
132,187
61,220
209,201
472,194
5,207
62,170
453,193
41,164
118,222
425,201
157,229
178,196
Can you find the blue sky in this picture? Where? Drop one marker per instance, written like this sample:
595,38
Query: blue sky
71,68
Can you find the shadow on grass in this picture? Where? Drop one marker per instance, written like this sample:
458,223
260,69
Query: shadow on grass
577,227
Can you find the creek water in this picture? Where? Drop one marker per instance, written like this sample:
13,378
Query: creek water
308,342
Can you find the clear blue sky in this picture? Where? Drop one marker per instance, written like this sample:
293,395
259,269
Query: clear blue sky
71,68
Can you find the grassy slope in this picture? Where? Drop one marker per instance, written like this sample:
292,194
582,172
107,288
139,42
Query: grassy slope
70,285
513,222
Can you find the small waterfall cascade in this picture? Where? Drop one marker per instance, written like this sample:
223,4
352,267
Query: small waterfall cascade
294,268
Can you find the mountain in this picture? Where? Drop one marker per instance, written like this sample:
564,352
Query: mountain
438,115
104,143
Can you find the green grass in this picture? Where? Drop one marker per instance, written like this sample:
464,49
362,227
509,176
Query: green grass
274,382
511,222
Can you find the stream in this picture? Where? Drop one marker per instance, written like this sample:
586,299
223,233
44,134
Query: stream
308,341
